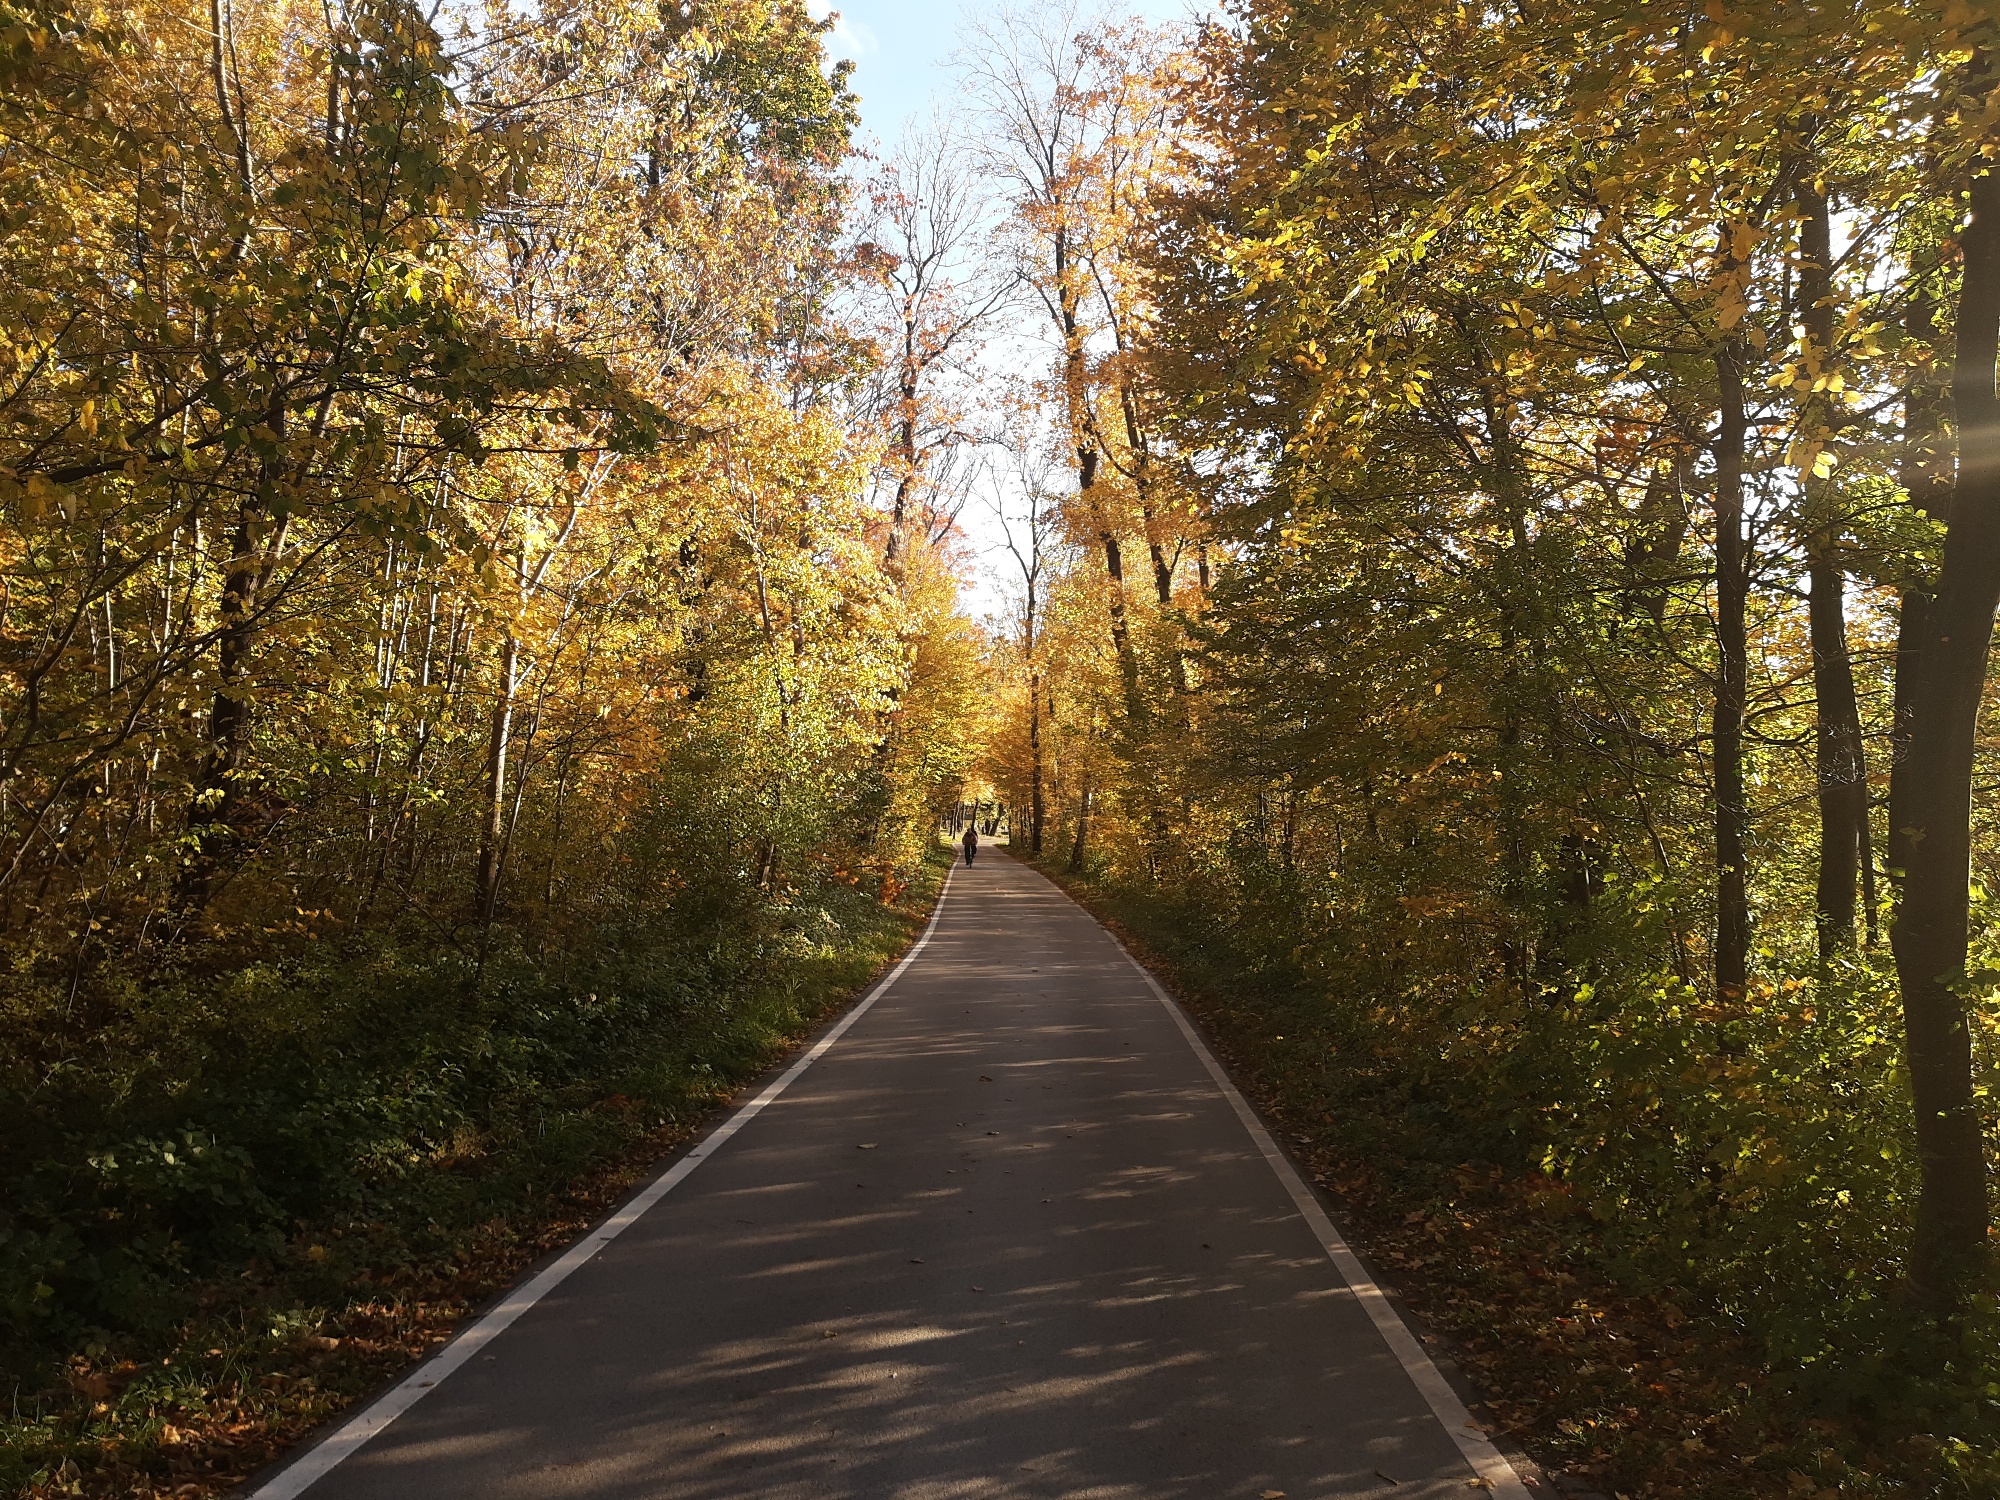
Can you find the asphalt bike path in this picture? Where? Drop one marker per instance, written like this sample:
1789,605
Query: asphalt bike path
1006,1233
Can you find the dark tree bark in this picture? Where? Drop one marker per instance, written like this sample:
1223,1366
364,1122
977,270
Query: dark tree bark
1037,809
907,388
1139,442
1926,474
1121,629
1932,842
1077,396
1839,757
219,814
1845,847
218,799
1732,592
892,551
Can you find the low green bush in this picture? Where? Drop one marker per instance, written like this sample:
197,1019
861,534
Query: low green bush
1746,1170
298,1130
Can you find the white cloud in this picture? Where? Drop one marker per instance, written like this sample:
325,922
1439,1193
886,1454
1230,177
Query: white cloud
849,38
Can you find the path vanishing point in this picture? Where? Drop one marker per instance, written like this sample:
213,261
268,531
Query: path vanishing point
1005,1230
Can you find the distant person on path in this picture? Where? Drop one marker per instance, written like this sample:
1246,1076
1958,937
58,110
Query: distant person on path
971,843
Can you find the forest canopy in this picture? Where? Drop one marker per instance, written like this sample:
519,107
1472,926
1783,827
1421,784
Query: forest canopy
1557,448
1496,520
452,668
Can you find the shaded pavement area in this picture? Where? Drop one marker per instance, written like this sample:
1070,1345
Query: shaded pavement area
1006,1238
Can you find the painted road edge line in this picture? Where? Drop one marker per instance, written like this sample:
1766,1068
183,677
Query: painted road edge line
345,1440
1496,1475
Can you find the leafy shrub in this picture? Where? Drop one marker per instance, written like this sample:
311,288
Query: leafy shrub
372,1087
1749,1166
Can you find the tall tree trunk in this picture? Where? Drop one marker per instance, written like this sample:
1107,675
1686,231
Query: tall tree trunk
1121,629
1163,589
1036,805
1844,842
906,451
1140,443
892,552
1163,570
1932,845
222,57
216,814
1926,474
1732,591
1839,756
1081,845
493,834
1076,392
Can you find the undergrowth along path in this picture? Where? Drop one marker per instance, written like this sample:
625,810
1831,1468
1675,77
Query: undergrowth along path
243,1362
1008,1229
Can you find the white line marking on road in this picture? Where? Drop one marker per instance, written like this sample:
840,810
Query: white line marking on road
342,1443
1488,1462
